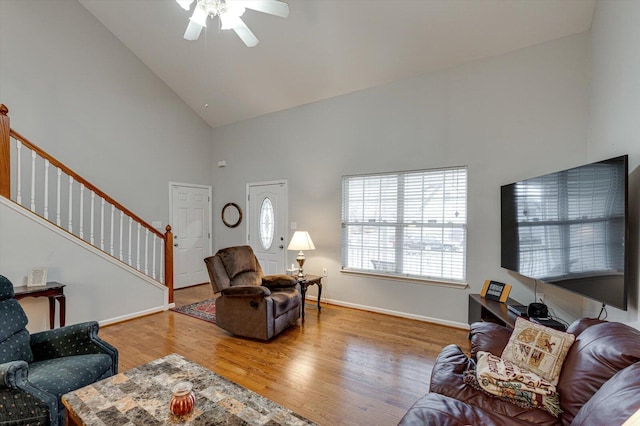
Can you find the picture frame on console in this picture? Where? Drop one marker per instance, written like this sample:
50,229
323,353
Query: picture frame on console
37,277
494,290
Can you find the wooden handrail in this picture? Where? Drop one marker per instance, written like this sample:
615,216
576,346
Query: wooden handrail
76,177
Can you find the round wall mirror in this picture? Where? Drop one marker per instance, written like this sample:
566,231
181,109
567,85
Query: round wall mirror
231,215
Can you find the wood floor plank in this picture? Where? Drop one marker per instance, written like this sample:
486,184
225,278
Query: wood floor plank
340,367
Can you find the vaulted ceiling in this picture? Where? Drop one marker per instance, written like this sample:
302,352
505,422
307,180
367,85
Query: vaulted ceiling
326,48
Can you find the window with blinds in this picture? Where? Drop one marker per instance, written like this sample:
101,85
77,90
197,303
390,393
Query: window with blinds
406,224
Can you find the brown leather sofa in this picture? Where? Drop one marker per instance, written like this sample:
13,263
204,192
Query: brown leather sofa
599,383
251,304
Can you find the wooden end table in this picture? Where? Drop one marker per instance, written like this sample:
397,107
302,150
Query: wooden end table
305,282
52,291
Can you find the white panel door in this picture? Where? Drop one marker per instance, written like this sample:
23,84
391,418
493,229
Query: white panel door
191,223
266,231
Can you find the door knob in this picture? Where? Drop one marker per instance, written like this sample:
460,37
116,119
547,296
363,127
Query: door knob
281,246
175,245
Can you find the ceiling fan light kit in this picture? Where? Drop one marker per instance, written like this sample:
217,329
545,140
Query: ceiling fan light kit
229,12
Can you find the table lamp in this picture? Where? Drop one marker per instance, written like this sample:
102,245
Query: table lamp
301,241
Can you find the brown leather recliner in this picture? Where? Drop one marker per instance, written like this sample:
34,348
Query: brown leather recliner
251,304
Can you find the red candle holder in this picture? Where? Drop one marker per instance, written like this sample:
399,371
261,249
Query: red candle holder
183,400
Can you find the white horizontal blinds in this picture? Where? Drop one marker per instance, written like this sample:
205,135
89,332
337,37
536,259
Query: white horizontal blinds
571,222
369,219
407,223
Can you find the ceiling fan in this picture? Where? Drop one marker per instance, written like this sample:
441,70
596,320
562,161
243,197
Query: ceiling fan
229,12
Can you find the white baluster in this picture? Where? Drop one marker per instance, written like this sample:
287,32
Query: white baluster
146,251
33,181
58,197
70,227
162,260
153,267
121,224
18,173
138,248
91,234
113,209
130,226
102,224
46,189
82,211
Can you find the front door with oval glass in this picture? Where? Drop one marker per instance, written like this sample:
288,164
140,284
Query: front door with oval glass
267,220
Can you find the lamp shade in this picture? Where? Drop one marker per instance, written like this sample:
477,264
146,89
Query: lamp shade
301,241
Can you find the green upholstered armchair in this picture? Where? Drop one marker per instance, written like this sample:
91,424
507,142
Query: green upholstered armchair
251,304
37,369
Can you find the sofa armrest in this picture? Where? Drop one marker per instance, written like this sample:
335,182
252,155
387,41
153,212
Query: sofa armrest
280,280
488,337
246,291
12,373
76,339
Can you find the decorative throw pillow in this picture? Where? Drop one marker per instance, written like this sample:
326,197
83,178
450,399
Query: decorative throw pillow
539,349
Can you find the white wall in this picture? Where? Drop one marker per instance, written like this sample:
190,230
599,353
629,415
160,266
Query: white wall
615,112
506,118
96,289
76,91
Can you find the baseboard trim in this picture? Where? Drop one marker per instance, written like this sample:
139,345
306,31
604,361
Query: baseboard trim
135,315
454,324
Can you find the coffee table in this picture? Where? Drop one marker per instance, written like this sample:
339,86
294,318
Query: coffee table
141,396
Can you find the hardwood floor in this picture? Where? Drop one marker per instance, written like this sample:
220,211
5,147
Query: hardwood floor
340,367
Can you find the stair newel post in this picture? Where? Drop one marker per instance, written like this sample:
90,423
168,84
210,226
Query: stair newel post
168,261
5,153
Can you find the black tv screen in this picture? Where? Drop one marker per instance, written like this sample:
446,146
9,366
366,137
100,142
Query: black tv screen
570,229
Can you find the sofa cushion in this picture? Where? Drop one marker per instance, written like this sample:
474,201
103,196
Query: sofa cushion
441,410
6,288
284,300
61,375
580,325
488,337
14,337
537,348
20,408
615,402
237,260
599,352
447,378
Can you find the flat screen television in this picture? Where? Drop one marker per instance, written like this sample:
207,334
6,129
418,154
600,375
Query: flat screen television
570,229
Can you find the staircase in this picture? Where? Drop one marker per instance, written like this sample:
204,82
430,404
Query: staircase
38,182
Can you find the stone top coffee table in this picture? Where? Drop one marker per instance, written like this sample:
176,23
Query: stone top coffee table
141,396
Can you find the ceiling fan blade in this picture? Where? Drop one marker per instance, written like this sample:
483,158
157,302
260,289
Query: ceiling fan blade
196,23
193,31
272,7
241,29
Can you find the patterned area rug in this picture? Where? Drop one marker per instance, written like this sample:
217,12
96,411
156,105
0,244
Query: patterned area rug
204,310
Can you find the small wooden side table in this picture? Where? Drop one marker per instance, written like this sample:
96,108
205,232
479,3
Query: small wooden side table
53,291
305,282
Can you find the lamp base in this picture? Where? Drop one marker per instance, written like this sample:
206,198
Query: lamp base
301,260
